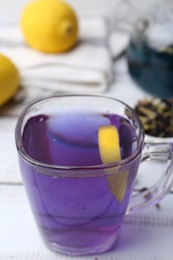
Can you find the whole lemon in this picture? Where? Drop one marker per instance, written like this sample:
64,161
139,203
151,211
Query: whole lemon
9,79
50,26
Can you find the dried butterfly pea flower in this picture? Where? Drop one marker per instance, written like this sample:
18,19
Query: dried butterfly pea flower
156,116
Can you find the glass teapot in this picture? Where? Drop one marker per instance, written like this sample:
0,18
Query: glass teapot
150,52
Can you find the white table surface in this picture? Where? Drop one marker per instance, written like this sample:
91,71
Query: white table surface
147,235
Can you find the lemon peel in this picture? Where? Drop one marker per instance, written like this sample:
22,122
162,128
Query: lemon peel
9,79
50,26
109,148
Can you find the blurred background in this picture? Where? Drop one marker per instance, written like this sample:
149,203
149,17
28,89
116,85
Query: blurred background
116,10
133,51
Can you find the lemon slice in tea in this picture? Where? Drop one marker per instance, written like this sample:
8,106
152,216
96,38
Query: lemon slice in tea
109,148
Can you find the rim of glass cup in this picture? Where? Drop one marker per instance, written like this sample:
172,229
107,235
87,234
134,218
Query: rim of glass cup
34,162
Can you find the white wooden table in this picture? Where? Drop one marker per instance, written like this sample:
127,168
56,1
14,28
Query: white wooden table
147,235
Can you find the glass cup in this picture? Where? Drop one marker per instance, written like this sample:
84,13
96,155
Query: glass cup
79,202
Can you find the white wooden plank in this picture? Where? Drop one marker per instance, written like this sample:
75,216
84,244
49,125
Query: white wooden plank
9,170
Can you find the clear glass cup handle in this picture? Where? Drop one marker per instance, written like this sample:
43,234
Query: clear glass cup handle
158,152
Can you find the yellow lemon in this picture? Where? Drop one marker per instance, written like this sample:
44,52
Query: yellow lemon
9,79
50,26
109,148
